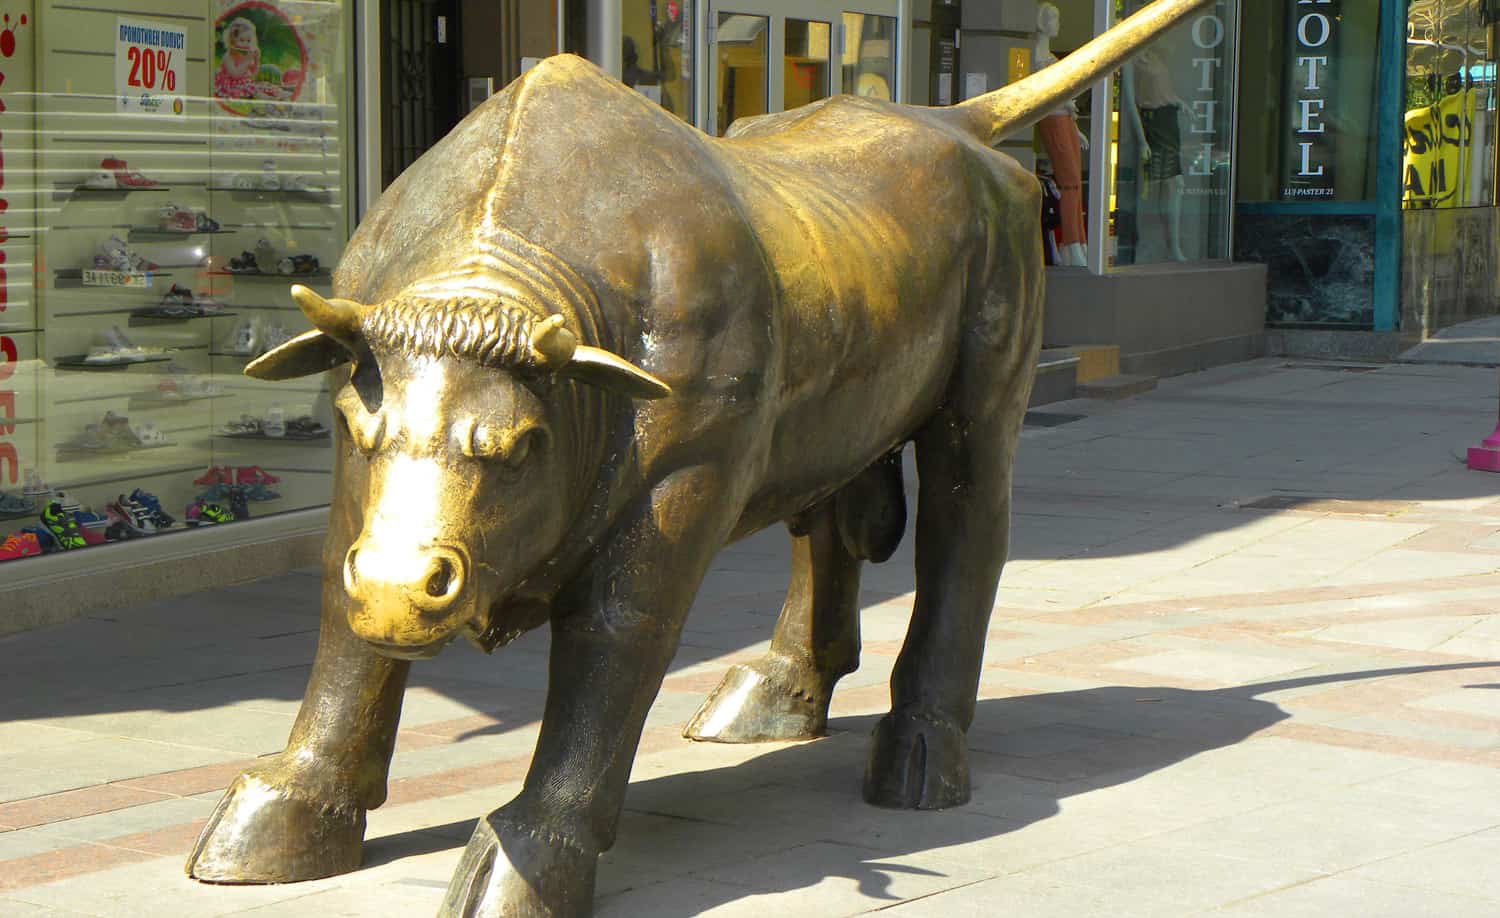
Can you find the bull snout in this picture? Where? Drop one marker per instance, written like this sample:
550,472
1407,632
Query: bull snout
407,598
441,574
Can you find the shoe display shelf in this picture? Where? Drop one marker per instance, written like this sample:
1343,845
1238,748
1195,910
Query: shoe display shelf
322,274
158,234
201,166
308,195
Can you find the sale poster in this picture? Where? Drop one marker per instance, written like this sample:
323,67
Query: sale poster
149,61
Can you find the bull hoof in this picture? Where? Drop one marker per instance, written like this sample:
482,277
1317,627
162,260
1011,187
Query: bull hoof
512,871
919,760
271,827
770,699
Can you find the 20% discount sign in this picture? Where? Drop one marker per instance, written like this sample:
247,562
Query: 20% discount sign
149,57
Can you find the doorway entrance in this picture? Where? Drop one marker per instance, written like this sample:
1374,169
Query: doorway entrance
441,58
773,55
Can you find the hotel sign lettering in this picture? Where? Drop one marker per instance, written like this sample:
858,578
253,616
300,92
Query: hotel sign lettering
1307,171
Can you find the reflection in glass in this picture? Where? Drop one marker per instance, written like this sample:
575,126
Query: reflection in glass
1449,143
806,62
869,59
1171,157
740,51
656,54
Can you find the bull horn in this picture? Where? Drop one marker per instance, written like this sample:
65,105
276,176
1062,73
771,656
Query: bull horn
336,318
555,349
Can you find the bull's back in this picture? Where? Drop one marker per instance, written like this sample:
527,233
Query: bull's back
873,221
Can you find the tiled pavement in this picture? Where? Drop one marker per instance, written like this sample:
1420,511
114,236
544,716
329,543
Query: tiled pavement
1246,658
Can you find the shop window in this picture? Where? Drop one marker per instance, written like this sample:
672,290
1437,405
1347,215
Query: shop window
869,58
167,178
1449,148
1171,139
740,55
656,54
1310,135
807,71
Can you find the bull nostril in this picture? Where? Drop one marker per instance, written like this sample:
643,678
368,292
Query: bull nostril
351,575
441,579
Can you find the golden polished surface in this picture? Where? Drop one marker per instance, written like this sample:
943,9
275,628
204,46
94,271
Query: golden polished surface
578,347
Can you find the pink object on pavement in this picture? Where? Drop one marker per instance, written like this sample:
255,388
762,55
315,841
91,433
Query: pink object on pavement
1486,456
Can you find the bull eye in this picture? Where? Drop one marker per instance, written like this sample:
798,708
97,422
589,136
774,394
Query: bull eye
509,448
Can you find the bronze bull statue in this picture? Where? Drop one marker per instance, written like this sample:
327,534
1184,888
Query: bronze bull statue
578,347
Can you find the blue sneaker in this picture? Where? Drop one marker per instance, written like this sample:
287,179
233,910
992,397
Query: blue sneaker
149,501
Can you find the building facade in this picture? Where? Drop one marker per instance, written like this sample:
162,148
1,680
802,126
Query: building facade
170,167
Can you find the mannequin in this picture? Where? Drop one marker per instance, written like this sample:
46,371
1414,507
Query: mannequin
1153,112
1063,142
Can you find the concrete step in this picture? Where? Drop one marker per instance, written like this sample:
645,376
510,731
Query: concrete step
1056,377
1123,385
1096,361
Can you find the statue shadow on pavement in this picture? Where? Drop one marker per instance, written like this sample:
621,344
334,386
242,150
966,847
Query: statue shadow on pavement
1028,754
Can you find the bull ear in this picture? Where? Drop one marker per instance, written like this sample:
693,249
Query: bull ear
308,353
555,349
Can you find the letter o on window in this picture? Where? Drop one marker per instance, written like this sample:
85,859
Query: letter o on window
1324,30
1216,31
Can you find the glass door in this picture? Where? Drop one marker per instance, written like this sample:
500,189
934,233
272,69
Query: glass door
775,55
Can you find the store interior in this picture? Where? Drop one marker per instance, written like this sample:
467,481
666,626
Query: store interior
155,259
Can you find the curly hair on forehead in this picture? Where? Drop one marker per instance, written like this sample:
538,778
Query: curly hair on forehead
490,332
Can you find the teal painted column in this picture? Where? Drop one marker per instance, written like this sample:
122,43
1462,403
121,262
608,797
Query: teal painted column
1390,114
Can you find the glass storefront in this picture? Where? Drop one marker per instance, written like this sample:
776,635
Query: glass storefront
1163,145
656,52
1450,225
1173,127
1449,149
1308,151
170,169
741,49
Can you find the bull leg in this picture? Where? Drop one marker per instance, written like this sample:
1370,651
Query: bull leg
537,855
785,694
300,815
919,756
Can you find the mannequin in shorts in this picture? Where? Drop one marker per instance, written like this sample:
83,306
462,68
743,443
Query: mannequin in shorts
1153,112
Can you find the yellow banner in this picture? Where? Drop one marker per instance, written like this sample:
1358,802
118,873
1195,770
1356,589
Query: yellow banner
1439,146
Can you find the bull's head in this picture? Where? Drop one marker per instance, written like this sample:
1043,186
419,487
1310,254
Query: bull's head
468,461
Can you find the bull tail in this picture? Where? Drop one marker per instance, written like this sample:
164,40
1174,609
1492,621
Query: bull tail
1023,103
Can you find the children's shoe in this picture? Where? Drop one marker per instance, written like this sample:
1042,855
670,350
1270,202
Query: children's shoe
103,180
207,513
146,499
125,177
44,538
63,527
218,474
19,545
88,519
250,475
239,503
244,263
178,219
133,515
298,264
